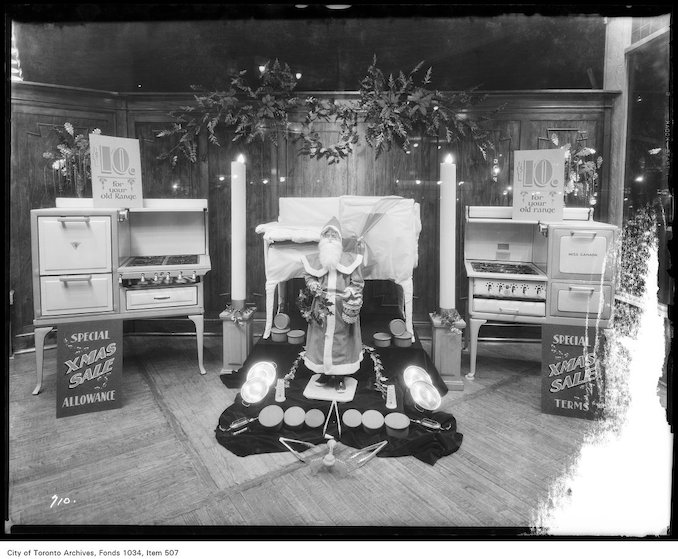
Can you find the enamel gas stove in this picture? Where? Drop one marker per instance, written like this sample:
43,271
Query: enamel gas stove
537,272
128,263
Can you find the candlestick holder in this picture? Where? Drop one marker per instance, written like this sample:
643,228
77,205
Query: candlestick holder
446,344
237,336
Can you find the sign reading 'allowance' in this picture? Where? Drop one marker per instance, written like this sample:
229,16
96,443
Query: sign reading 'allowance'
89,367
116,172
538,184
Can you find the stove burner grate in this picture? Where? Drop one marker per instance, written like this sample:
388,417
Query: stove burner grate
503,268
182,259
163,260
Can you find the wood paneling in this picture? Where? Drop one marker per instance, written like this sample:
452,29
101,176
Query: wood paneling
279,170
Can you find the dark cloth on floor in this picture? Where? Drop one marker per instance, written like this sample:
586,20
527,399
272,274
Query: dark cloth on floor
427,446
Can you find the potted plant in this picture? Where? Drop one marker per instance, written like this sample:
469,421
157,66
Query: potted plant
70,159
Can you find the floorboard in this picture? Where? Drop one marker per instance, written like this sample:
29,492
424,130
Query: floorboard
156,461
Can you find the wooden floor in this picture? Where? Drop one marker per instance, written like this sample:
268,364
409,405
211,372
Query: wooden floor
156,461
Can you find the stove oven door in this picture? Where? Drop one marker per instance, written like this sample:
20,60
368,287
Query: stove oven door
584,254
581,300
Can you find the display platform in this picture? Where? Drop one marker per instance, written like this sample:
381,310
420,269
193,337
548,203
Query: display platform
425,444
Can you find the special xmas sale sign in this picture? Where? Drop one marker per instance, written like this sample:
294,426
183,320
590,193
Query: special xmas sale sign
89,367
573,375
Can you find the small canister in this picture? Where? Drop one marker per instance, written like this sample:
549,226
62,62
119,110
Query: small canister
294,417
382,339
372,421
271,417
279,334
404,340
397,425
351,419
314,418
296,337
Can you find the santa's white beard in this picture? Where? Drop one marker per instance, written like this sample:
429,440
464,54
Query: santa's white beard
330,253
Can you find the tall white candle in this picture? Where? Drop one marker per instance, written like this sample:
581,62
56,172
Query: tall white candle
238,233
448,232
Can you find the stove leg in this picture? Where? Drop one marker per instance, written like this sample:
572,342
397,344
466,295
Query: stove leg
475,324
39,335
198,320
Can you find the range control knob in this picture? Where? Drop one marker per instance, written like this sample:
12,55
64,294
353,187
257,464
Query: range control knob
168,278
143,278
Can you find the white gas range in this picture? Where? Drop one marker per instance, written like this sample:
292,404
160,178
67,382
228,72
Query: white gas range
537,272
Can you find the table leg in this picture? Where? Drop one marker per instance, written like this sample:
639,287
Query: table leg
39,335
408,293
475,324
270,295
198,320
282,297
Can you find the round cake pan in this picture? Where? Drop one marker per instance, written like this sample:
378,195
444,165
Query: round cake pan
397,425
296,337
294,417
351,419
279,334
314,418
372,421
404,340
271,417
382,339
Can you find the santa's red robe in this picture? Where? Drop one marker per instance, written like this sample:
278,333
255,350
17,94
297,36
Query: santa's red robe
335,348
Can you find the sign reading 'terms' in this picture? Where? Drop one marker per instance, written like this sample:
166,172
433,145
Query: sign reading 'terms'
572,371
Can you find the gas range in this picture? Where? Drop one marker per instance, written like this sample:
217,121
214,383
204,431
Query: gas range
143,272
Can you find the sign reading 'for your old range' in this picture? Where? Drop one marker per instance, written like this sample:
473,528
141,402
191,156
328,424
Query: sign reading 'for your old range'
116,172
89,367
538,184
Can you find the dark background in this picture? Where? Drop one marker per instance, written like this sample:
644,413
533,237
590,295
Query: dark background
155,47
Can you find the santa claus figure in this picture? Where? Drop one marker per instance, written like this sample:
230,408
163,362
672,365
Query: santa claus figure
334,277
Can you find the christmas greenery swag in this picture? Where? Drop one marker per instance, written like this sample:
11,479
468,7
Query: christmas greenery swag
394,109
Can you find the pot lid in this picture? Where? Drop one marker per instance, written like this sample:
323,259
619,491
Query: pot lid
281,321
397,327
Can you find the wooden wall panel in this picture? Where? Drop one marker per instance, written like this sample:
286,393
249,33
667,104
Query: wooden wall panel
159,179
278,170
312,177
